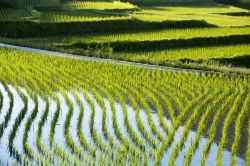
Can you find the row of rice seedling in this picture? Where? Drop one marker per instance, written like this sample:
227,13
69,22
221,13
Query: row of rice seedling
248,145
238,126
13,151
62,152
212,14
26,147
98,5
212,130
159,109
168,141
232,113
105,132
139,95
93,131
40,147
210,56
146,46
132,133
82,139
148,138
54,121
182,94
188,125
1,102
70,142
41,123
153,35
7,117
203,122
117,131
57,18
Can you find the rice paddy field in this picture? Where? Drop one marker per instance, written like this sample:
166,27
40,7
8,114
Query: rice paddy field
206,36
128,83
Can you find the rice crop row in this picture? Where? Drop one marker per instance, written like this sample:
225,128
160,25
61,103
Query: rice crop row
114,114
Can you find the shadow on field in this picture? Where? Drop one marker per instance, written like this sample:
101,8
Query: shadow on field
178,3
238,61
235,13
4,5
141,46
18,29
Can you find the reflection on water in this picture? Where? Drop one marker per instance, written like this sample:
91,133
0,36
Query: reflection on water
59,138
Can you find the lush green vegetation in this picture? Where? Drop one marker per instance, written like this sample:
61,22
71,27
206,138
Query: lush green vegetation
86,85
205,36
86,111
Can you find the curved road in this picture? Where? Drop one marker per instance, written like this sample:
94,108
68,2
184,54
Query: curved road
61,54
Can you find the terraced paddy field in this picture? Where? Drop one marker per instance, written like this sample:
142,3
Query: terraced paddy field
73,111
204,36
128,83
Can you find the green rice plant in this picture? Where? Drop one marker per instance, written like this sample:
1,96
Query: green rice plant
104,114
238,126
118,133
212,130
7,117
1,102
138,141
159,111
226,123
157,35
202,125
192,120
99,143
70,142
82,139
248,145
18,120
41,124
139,122
177,123
98,5
54,120
147,88
26,147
